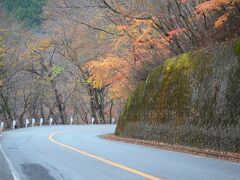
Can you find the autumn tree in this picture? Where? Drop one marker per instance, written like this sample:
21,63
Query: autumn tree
228,9
79,44
15,99
41,63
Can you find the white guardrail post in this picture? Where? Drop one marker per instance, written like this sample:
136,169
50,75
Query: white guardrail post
13,124
26,123
50,121
113,120
41,121
1,126
71,121
92,120
33,122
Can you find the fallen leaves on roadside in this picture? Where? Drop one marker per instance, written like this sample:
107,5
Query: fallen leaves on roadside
175,147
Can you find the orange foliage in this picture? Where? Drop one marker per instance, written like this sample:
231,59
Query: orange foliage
216,5
111,71
221,20
136,40
141,35
175,32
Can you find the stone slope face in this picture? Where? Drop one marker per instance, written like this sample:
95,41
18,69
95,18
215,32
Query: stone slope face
192,99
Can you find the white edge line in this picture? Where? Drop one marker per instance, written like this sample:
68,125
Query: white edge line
235,164
10,165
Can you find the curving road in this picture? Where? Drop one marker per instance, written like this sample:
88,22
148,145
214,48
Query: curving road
77,153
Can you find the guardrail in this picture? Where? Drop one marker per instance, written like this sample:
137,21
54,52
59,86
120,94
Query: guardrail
41,122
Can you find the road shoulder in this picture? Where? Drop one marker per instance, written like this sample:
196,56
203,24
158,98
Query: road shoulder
235,157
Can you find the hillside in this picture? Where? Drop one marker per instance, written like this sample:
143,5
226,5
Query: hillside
192,99
28,11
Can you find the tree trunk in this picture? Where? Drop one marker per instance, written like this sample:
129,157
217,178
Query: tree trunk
60,105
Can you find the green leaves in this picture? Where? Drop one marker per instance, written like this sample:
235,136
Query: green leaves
56,70
237,47
27,11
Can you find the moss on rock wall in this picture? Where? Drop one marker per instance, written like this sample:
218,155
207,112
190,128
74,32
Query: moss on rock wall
192,99
237,47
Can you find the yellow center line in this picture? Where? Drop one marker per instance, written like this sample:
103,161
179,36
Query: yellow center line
145,175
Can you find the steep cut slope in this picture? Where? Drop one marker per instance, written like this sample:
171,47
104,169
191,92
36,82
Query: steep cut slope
192,99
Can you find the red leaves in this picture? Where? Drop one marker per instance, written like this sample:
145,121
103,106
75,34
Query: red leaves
213,5
175,32
184,1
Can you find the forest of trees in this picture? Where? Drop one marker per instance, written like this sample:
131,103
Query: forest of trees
27,11
82,58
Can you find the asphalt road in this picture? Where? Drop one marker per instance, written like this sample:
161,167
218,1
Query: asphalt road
77,153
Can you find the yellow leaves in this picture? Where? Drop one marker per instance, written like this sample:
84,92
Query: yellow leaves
101,36
140,28
113,29
102,70
1,38
120,89
39,45
36,48
111,71
1,64
2,55
3,49
3,33
44,44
